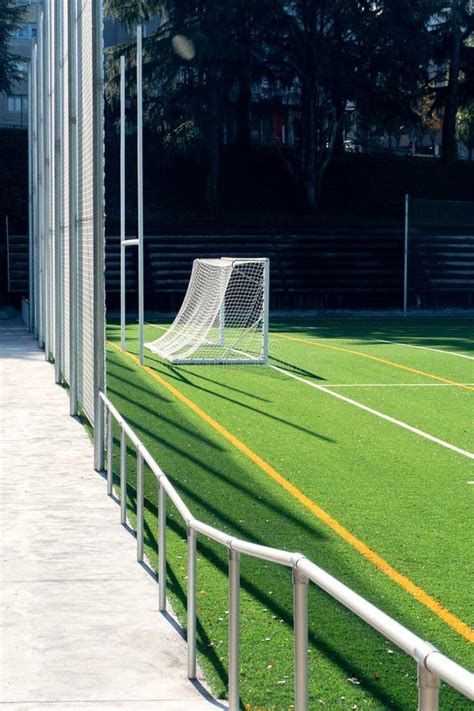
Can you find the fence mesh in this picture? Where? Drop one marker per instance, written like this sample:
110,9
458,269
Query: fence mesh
52,202
440,262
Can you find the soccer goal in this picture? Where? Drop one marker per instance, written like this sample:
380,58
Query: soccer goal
224,315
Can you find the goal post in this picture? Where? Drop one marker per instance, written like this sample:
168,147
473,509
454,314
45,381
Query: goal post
224,316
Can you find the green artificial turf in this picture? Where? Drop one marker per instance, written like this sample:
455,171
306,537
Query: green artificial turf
405,497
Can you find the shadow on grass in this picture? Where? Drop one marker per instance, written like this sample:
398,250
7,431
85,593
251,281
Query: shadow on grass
178,375
322,640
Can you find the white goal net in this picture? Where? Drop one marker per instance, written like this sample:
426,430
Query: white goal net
224,315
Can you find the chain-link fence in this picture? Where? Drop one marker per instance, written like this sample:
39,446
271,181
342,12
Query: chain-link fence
439,254
67,203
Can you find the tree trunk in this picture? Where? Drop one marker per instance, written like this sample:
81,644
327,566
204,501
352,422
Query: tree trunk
449,147
243,104
213,145
309,143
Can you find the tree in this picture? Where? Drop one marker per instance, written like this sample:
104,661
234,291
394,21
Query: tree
465,128
369,54
10,15
187,92
453,31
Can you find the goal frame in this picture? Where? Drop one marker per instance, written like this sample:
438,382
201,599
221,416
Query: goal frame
246,359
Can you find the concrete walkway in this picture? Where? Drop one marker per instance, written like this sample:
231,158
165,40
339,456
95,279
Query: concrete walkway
79,620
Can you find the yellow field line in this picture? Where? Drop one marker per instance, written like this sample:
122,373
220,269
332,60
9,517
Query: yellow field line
318,344
418,593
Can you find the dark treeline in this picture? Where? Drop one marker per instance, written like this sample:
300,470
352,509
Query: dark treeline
386,65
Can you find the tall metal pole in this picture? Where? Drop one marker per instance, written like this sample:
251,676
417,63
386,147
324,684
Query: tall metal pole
73,204
99,234
141,275
58,188
41,171
122,206
405,258
30,194
47,181
35,186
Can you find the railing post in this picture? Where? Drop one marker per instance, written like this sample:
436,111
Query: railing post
123,477
162,546
428,689
110,453
234,630
300,612
139,507
191,632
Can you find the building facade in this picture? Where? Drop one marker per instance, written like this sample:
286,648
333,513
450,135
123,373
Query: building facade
14,106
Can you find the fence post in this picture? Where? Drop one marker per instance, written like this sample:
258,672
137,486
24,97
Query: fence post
140,497
191,631
428,689
141,275
234,630
73,195
99,232
58,190
123,282
110,454
300,612
123,477
405,256
162,545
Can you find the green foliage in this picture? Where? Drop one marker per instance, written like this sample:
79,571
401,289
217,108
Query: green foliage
210,57
10,16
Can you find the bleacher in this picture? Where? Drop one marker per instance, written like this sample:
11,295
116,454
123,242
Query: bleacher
441,273
18,264
332,270
335,269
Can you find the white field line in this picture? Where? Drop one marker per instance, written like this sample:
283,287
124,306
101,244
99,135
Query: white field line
423,348
399,343
396,385
155,325
394,421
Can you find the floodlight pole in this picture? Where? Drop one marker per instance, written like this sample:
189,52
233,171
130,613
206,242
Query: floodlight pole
140,192
122,205
405,258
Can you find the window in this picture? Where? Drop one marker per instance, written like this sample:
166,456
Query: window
17,104
27,31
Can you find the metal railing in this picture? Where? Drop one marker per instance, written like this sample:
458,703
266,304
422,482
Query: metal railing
432,666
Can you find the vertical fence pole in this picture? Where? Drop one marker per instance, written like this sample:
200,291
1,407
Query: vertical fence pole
405,257
123,477
35,184
73,206
234,630
141,275
122,205
300,604
140,522
428,689
110,454
41,192
31,299
58,189
162,546
99,233
47,181
191,631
